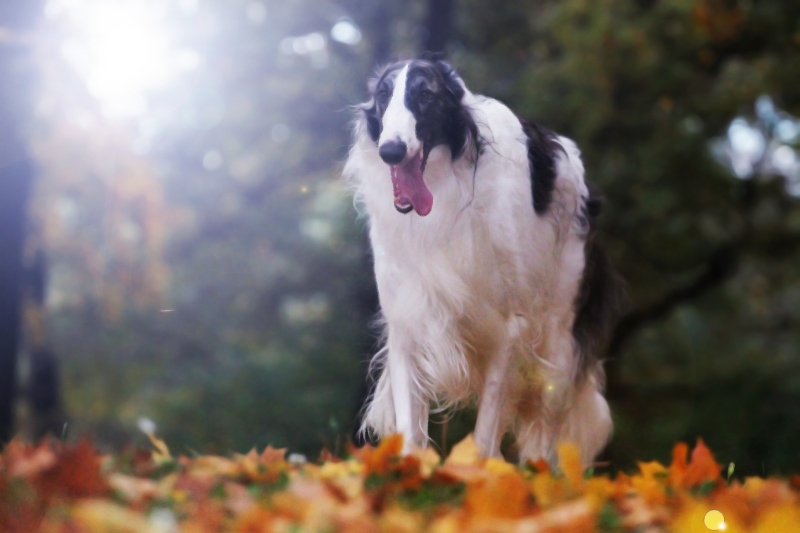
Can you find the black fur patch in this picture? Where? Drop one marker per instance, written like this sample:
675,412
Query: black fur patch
600,297
433,95
542,148
373,122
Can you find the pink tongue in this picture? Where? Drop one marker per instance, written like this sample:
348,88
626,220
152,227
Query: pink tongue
409,187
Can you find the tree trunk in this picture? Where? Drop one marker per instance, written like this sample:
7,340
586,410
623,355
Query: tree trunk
438,26
16,173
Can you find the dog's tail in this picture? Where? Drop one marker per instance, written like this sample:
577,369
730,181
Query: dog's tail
600,299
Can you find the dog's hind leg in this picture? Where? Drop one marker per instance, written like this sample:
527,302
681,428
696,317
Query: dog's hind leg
490,425
587,423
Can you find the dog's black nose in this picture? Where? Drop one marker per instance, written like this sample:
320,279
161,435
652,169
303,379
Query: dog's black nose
393,152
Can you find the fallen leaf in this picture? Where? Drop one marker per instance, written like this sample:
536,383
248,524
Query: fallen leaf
499,496
162,451
569,460
465,453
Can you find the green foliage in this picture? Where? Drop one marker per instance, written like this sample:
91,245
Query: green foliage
432,495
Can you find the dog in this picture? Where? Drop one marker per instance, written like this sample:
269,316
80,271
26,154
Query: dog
491,289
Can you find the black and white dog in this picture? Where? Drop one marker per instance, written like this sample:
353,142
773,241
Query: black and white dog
489,291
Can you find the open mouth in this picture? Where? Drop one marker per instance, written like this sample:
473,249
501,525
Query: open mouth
410,191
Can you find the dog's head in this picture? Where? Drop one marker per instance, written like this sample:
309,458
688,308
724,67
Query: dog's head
417,105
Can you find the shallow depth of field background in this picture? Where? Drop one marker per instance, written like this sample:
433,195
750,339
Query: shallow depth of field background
206,274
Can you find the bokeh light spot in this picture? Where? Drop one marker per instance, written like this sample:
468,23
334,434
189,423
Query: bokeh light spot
714,520
345,31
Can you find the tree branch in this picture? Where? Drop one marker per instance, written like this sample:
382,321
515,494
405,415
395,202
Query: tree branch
721,266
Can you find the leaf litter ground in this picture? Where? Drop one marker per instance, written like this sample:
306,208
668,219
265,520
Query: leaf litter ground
54,487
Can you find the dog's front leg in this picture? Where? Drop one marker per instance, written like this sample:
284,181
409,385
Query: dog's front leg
489,428
411,409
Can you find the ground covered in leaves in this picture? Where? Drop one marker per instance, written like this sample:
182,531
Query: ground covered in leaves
61,488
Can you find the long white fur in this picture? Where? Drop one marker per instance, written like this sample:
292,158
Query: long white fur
477,298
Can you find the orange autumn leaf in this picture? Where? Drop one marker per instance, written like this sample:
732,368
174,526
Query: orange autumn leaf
502,496
377,460
651,482
263,467
58,488
679,465
701,468
272,455
255,520
410,470
539,465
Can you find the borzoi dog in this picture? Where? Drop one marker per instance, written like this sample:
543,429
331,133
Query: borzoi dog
489,289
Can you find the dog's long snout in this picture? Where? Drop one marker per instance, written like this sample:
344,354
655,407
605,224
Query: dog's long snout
393,152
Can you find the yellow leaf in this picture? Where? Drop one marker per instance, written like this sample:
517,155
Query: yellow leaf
569,459
466,452
100,516
599,488
214,465
691,519
783,518
445,524
574,517
340,469
397,520
754,485
428,460
499,466
652,469
162,451
547,490
651,484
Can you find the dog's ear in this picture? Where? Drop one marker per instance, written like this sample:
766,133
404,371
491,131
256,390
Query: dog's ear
373,121
371,108
452,82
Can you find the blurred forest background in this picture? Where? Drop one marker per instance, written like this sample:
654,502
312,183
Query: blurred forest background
192,263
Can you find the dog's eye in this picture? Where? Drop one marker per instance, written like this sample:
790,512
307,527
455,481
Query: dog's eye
383,96
425,96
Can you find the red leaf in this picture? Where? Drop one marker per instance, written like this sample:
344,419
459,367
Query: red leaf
76,474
